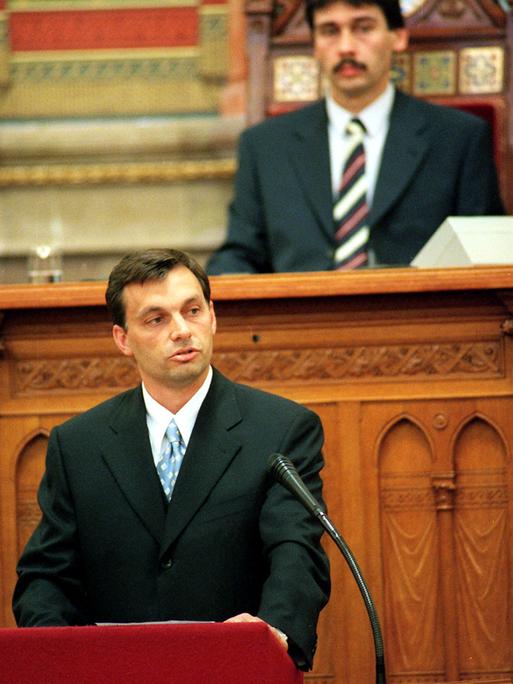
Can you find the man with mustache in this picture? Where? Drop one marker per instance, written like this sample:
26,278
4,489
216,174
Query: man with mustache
422,162
156,504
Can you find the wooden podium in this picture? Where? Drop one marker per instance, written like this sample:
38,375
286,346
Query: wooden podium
411,372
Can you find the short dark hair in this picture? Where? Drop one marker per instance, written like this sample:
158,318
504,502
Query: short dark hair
390,8
152,264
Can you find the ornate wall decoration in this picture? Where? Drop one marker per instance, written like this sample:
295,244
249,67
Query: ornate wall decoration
127,172
401,71
295,79
481,70
213,39
4,44
435,73
78,60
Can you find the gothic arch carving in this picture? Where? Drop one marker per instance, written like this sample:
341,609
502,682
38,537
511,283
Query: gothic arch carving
390,426
484,420
481,545
409,538
29,463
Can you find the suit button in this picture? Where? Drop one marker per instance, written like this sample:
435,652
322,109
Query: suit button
165,565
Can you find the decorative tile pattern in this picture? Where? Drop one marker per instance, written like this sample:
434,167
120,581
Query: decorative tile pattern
4,48
435,73
73,58
296,79
125,83
214,41
481,70
401,71
82,69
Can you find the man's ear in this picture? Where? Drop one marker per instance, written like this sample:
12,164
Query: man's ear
121,339
213,317
401,40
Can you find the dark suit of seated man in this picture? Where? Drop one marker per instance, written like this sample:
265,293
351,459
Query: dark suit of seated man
120,540
423,162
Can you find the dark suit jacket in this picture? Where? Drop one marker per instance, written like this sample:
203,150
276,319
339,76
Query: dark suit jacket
437,162
231,540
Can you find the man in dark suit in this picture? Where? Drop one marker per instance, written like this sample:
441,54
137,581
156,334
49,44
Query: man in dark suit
224,542
423,162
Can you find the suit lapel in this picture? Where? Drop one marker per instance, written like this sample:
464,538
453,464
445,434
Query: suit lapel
128,457
209,452
405,147
309,154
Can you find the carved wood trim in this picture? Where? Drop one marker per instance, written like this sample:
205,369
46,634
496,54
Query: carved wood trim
49,375
283,11
461,359
444,488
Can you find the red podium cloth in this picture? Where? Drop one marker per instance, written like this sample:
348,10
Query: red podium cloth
195,653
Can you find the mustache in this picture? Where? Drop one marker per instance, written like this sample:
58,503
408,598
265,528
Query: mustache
348,61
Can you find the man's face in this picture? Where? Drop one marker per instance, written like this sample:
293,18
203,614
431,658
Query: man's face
354,47
169,331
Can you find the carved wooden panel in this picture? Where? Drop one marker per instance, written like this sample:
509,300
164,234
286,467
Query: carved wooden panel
40,375
23,442
414,387
445,477
410,551
29,467
483,548
456,359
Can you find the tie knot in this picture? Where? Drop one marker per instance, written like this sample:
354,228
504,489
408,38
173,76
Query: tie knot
173,433
355,127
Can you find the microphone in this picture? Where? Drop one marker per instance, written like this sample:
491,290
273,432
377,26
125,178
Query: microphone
284,472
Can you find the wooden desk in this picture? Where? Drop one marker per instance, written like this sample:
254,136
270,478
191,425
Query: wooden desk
412,374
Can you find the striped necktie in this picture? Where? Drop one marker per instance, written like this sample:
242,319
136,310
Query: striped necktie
170,459
350,210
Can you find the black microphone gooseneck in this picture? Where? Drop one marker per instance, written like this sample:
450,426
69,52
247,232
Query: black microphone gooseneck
284,472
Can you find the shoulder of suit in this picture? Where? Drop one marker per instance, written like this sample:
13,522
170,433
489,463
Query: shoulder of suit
100,411
439,114
281,123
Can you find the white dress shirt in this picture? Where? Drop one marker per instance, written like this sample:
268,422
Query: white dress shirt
376,119
158,417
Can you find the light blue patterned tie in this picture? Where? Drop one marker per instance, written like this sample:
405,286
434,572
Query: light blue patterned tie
171,459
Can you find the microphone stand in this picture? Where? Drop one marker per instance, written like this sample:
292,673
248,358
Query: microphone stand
284,471
364,591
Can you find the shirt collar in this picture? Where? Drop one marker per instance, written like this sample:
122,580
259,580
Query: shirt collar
159,416
375,117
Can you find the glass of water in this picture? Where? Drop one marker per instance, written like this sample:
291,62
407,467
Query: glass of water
45,264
